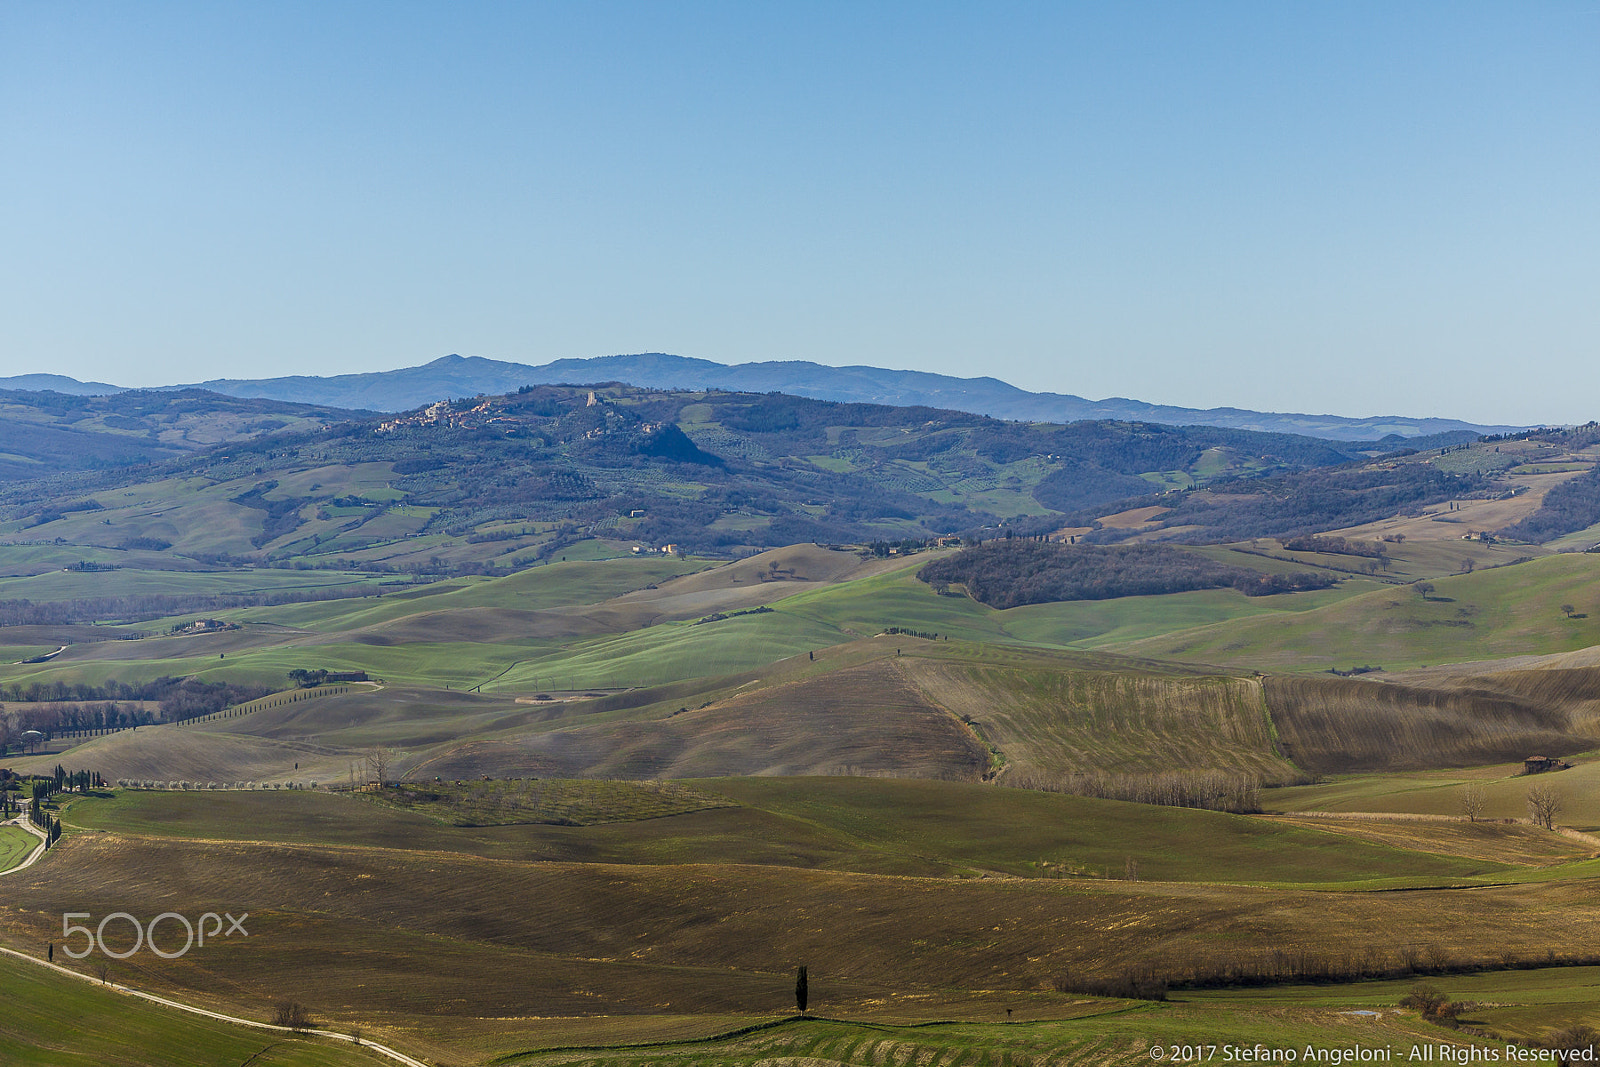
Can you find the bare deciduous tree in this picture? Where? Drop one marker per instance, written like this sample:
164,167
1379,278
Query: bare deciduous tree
291,1014
1473,800
1545,802
379,761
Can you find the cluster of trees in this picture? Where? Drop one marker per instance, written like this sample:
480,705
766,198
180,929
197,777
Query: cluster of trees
9,784
65,781
60,718
189,698
101,708
1010,573
308,679
1338,546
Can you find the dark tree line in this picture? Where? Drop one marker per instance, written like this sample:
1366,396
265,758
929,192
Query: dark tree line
1010,573
53,719
1338,546
176,699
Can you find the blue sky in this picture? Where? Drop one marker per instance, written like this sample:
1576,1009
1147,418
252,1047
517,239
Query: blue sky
1350,208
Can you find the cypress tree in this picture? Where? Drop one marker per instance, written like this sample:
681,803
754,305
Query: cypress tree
800,990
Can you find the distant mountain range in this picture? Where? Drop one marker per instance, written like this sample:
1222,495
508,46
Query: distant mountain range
459,376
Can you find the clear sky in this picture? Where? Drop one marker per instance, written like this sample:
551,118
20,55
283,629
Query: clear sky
1340,207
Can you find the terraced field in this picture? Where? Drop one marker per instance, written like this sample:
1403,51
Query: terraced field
1056,722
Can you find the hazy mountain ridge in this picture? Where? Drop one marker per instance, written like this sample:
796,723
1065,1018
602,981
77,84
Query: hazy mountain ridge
461,376
58,383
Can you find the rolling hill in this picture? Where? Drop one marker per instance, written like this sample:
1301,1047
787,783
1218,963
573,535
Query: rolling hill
51,432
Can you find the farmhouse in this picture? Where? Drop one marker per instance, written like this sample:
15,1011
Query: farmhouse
1540,764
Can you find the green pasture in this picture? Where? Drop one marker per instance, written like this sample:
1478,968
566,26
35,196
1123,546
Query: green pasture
1439,793
594,549
871,605
457,665
21,560
1489,614
15,846
370,481
1111,624
1579,541
899,598
194,514
669,652
51,1020
129,581
557,585
18,653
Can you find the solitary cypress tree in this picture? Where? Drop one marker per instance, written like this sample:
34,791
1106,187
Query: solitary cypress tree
800,990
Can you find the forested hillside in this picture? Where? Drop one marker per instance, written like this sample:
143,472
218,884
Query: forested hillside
517,477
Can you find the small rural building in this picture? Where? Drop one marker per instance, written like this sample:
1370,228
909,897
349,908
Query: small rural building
1540,764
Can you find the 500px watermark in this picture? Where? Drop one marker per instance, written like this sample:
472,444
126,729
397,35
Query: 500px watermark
146,935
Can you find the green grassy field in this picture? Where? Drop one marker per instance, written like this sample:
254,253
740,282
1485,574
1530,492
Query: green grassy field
1507,611
670,652
1439,793
15,846
557,585
128,581
51,1020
